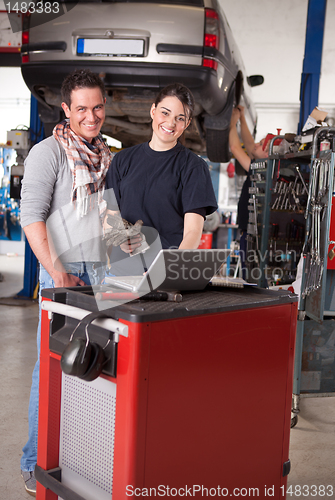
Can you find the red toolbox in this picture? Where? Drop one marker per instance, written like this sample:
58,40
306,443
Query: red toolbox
195,399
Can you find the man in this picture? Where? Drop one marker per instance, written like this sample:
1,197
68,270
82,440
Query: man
255,150
62,208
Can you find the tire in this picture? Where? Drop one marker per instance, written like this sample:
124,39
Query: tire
294,421
217,144
49,117
238,87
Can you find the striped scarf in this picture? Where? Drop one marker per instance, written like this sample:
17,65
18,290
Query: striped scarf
89,167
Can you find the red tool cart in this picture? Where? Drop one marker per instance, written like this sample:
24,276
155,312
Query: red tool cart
194,401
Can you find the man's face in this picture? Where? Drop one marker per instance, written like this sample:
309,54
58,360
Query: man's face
86,112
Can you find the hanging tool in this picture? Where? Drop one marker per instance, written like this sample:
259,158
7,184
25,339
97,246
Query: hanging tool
301,178
315,211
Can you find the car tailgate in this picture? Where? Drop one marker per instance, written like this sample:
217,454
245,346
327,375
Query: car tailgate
155,24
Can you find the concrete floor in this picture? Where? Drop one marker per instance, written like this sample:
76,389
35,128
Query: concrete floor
18,322
312,449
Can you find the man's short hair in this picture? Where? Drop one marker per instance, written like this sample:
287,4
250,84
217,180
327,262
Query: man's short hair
80,79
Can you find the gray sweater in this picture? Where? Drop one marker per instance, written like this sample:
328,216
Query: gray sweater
46,197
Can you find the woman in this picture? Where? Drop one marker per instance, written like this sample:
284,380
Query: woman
161,182
255,150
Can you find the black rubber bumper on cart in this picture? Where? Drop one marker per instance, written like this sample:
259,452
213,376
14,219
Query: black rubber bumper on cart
51,480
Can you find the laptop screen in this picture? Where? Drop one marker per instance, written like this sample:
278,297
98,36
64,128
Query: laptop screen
176,270
191,269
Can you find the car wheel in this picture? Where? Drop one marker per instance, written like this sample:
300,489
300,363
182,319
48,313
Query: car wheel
50,117
238,87
217,144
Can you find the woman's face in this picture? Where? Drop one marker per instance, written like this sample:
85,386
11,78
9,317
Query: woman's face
168,122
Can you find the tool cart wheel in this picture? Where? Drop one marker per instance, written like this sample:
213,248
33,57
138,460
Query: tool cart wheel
294,421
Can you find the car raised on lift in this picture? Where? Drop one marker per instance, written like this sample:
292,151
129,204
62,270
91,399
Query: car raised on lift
139,47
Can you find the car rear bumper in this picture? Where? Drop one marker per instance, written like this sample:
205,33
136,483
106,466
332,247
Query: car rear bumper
203,82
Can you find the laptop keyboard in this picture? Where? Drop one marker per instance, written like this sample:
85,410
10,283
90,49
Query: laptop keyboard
129,281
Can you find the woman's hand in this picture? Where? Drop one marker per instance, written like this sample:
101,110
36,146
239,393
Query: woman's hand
131,244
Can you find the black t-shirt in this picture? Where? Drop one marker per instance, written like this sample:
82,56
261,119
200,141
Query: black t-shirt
159,187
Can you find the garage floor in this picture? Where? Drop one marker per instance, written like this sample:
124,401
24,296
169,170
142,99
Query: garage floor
312,450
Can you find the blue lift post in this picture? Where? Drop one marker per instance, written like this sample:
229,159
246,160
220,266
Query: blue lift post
309,98
310,77
30,277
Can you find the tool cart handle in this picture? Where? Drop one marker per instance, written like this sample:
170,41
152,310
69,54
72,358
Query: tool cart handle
109,324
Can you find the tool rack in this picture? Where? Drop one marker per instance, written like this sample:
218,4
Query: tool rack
277,201
316,292
300,222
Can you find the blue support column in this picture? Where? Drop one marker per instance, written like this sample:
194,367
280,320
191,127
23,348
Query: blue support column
36,126
310,77
30,277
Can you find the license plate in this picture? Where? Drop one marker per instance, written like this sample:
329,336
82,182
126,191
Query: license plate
111,47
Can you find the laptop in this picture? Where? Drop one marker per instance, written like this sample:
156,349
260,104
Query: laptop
178,270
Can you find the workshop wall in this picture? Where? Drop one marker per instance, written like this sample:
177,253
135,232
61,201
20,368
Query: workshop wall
271,38
14,101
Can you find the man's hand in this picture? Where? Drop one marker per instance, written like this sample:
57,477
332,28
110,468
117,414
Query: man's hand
63,279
